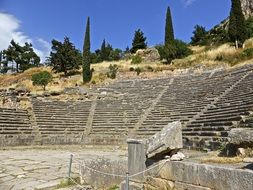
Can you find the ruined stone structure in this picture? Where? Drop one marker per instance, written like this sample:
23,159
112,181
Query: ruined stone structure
208,105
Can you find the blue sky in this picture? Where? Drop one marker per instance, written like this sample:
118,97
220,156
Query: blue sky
40,21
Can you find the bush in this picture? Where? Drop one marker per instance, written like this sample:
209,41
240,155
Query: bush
131,69
248,52
219,58
138,70
113,69
150,69
136,59
178,50
182,49
42,79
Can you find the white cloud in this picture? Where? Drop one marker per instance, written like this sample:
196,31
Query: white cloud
10,29
188,2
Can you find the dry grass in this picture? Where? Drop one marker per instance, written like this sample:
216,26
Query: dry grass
222,160
202,57
225,55
10,79
213,157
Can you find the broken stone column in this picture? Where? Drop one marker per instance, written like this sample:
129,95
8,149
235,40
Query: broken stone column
136,159
166,142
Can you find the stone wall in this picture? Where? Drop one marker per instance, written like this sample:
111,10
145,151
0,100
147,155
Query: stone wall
195,176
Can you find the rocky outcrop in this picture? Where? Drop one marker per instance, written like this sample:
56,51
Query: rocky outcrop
247,7
149,54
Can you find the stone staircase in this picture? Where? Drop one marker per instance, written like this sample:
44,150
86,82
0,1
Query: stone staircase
207,104
61,122
15,127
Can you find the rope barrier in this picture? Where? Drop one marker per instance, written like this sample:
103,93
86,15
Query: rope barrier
142,172
103,173
117,175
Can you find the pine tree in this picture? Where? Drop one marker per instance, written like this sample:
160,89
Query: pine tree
64,57
139,41
87,74
199,35
23,56
169,33
237,28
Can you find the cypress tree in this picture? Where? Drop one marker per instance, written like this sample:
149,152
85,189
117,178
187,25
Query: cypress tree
237,28
103,55
169,33
87,74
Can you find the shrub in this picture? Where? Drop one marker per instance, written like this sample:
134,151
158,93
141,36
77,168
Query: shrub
138,70
248,52
177,50
113,69
136,59
182,49
150,69
131,69
219,58
42,79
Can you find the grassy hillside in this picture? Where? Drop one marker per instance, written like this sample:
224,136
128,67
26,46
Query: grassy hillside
225,56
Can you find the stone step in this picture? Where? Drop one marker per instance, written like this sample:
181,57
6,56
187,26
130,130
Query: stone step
221,117
222,128
206,133
57,125
14,125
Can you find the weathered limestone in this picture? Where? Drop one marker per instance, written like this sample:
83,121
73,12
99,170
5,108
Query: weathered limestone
95,176
241,136
179,156
247,8
208,176
184,186
149,54
169,139
158,183
136,158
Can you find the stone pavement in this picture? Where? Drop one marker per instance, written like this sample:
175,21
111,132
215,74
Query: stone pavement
45,167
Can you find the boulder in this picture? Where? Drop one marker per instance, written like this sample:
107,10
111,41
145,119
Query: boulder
241,136
168,140
158,183
149,54
179,156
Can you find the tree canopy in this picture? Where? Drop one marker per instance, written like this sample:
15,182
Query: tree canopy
169,32
199,35
64,57
139,41
23,57
237,30
42,79
87,73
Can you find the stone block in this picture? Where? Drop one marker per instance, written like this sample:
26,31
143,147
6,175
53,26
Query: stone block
165,141
211,176
241,136
157,183
136,158
184,186
132,186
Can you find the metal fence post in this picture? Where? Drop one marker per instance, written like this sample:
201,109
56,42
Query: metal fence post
127,181
70,165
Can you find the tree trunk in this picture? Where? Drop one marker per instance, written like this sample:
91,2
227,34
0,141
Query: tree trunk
236,44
